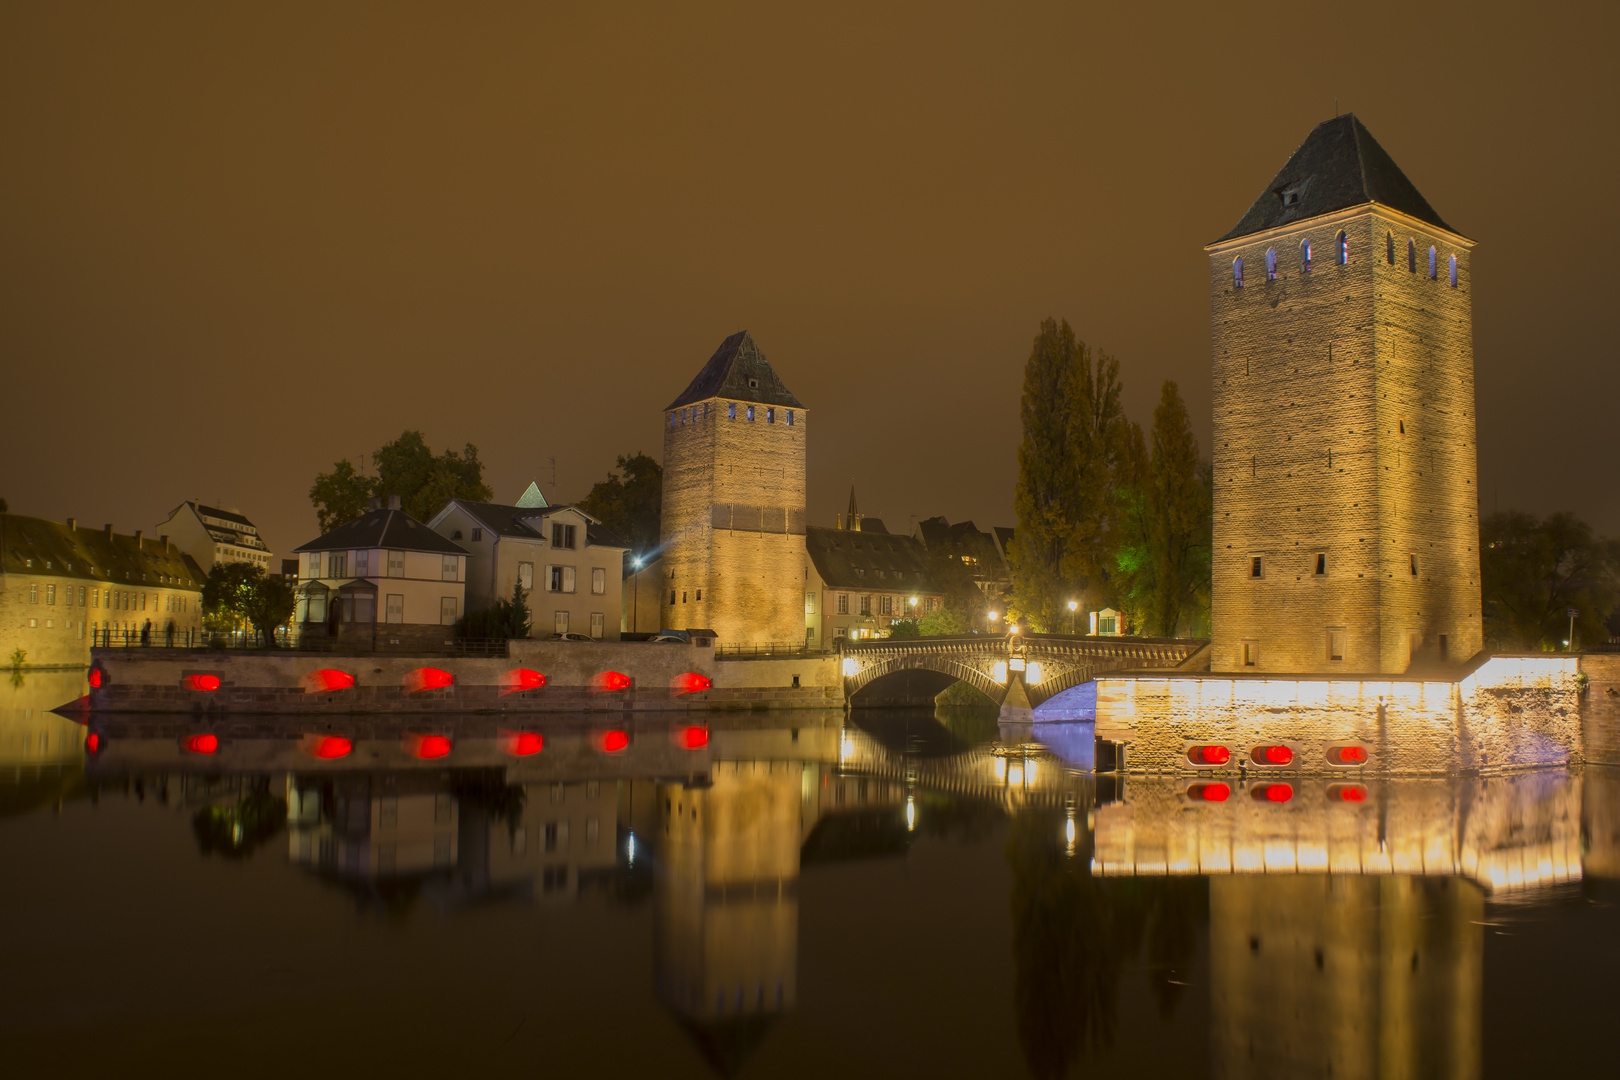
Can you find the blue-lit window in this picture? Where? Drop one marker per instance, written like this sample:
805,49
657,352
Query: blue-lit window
1271,264
770,416
731,411
750,412
790,418
1237,272
1454,271
1305,255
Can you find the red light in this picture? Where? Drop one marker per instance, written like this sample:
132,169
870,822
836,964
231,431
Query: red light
520,679
92,743
319,682
1274,755
427,678
328,747
1211,755
202,744
429,747
1347,793
607,681
1209,792
1350,755
207,684
615,740
690,683
695,738
1277,793
95,678
524,743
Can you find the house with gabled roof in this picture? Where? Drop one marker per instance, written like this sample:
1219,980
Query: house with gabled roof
570,564
213,536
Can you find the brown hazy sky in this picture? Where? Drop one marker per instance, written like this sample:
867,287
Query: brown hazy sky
239,242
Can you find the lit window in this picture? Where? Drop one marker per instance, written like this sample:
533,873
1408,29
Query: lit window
598,580
526,575
1454,271
770,416
731,410
1237,272
1343,250
1389,248
50,594
790,417
750,412
1433,263
1305,255
671,419
33,593
1271,264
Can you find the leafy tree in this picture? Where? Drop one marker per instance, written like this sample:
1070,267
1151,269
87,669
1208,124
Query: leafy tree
630,502
943,622
237,592
953,578
1532,570
904,628
1164,525
1067,466
406,467
506,620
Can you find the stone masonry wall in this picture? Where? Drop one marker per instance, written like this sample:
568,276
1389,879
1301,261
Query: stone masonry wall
1343,426
1600,708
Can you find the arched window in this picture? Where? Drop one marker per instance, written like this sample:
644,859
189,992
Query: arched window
1271,264
1305,255
1389,248
1411,257
1237,272
1343,255
1454,271
1434,266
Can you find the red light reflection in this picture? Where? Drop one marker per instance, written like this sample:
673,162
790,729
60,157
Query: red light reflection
1350,755
524,743
694,738
1211,755
1209,792
202,744
606,681
95,678
520,679
206,684
1347,793
92,743
689,683
429,747
1277,793
427,678
614,740
328,747
325,679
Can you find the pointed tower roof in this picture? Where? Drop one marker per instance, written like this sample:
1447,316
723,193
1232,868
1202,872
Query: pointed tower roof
532,499
1339,165
739,371
854,514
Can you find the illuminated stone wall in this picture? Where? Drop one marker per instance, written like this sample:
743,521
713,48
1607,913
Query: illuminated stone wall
1344,426
1600,708
733,523
1511,712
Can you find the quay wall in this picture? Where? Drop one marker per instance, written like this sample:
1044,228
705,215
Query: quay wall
154,681
1508,712
1600,707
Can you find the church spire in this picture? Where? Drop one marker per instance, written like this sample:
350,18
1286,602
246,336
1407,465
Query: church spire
853,522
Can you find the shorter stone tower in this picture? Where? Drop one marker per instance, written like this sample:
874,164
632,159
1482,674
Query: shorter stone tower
733,556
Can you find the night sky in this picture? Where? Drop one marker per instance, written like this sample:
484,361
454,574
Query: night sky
238,245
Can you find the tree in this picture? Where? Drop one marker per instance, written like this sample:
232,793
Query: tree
1533,570
943,622
1067,465
238,592
506,620
630,502
405,467
1165,523
904,628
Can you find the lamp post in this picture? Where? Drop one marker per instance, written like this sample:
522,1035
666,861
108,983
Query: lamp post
1074,605
635,601
990,618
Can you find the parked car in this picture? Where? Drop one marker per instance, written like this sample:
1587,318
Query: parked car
570,637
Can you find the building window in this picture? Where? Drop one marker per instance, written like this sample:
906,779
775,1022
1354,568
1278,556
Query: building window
478,534
396,564
843,603
750,412
672,596
1389,248
1343,255
395,607
1335,645
1433,263
1237,272
1454,271
559,623
95,598
562,536
1256,568
790,417
447,611
683,596
866,605
526,576
362,563
1271,264
705,410
451,571
886,607
315,565
33,592
698,595
1412,564
1251,654
50,594
1305,255
1411,257
1321,564
731,410
809,603
770,416
597,623
560,579
671,419
598,580
81,595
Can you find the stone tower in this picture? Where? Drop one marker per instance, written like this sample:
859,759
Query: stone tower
1346,502
733,555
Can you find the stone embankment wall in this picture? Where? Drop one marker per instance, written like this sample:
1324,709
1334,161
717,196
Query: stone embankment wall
1600,708
1510,712
155,681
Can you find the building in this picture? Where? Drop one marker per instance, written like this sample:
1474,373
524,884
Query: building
733,555
212,536
383,579
861,580
979,551
571,565
1346,511
62,587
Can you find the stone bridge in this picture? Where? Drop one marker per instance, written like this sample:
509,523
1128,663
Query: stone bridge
1016,671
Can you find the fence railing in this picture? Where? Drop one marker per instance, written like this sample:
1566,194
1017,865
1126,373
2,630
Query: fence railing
215,640
763,650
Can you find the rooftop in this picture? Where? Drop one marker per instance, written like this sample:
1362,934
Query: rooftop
878,562
738,371
30,545
383,529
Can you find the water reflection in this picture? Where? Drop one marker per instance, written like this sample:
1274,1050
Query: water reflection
1313,935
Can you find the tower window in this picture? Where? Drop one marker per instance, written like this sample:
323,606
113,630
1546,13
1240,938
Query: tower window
1237,272
1402,426
1251,653
1305,256
731,410
1389,248
1411,257
1335,645
1344,249
1433,264
1271,264
753,384
750,412
1321,564
1412,563
1454,271
770,416
1256,568
671,419
700,594
790,417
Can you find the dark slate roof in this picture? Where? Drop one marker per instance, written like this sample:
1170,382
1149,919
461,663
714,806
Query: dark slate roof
223,515
1339,165
514,521
963,538
873,525
92,554
727,373
383,529
839,553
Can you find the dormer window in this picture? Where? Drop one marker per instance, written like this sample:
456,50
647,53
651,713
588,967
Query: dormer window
1290,197
753,384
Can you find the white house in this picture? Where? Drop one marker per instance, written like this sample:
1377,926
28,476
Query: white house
384,579
212,536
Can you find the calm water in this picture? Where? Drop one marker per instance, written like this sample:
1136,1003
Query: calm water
895,894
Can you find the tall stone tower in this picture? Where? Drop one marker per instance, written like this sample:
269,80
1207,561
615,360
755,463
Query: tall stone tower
1346,502
734,509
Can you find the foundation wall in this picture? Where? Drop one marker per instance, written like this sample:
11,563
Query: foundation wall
1600,708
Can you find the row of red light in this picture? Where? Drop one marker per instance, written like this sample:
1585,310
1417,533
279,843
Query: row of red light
432,747
1276,754
516,681
1215,791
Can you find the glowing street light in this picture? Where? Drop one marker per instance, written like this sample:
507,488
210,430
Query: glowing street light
991,617
1074,605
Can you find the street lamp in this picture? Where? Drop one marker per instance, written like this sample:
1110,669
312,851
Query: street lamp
990,618
1074,605
635,601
